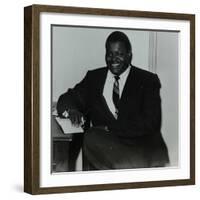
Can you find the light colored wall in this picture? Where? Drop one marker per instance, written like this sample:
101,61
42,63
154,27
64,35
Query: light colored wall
167,70
77,50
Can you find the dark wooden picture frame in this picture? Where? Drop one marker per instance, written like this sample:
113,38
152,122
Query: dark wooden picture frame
32,98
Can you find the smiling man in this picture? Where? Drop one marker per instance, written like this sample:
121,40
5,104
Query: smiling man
124,107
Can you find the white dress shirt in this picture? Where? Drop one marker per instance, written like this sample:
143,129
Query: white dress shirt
108,87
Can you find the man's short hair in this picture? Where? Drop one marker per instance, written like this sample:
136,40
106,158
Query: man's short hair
118,36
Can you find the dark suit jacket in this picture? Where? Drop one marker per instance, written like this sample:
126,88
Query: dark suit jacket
139,109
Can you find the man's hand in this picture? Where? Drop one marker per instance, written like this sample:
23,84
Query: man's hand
75,117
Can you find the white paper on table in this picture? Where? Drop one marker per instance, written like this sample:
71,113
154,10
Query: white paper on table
67,126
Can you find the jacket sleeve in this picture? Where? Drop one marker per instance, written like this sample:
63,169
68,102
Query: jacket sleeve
74,98
149,120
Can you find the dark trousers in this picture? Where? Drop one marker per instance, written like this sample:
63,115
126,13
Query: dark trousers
104,150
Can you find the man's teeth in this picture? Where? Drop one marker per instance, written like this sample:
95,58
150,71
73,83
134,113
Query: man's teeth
115,65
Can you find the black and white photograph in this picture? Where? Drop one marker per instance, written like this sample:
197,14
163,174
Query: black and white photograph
109,99
114,98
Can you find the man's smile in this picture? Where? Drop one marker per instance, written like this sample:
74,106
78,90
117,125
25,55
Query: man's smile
115,65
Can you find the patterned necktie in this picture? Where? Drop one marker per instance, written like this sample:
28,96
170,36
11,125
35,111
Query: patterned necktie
116,94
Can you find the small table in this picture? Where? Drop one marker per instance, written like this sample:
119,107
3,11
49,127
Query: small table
65,148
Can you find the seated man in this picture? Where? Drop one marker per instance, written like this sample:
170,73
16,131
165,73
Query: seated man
124,107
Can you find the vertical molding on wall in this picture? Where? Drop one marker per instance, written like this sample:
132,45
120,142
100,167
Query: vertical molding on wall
152,51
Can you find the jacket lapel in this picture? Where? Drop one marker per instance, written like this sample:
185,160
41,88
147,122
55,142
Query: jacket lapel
133,82
106,109
102,101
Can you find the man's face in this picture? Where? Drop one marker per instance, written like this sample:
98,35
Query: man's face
117,57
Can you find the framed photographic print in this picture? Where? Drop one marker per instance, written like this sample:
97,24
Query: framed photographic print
109,99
